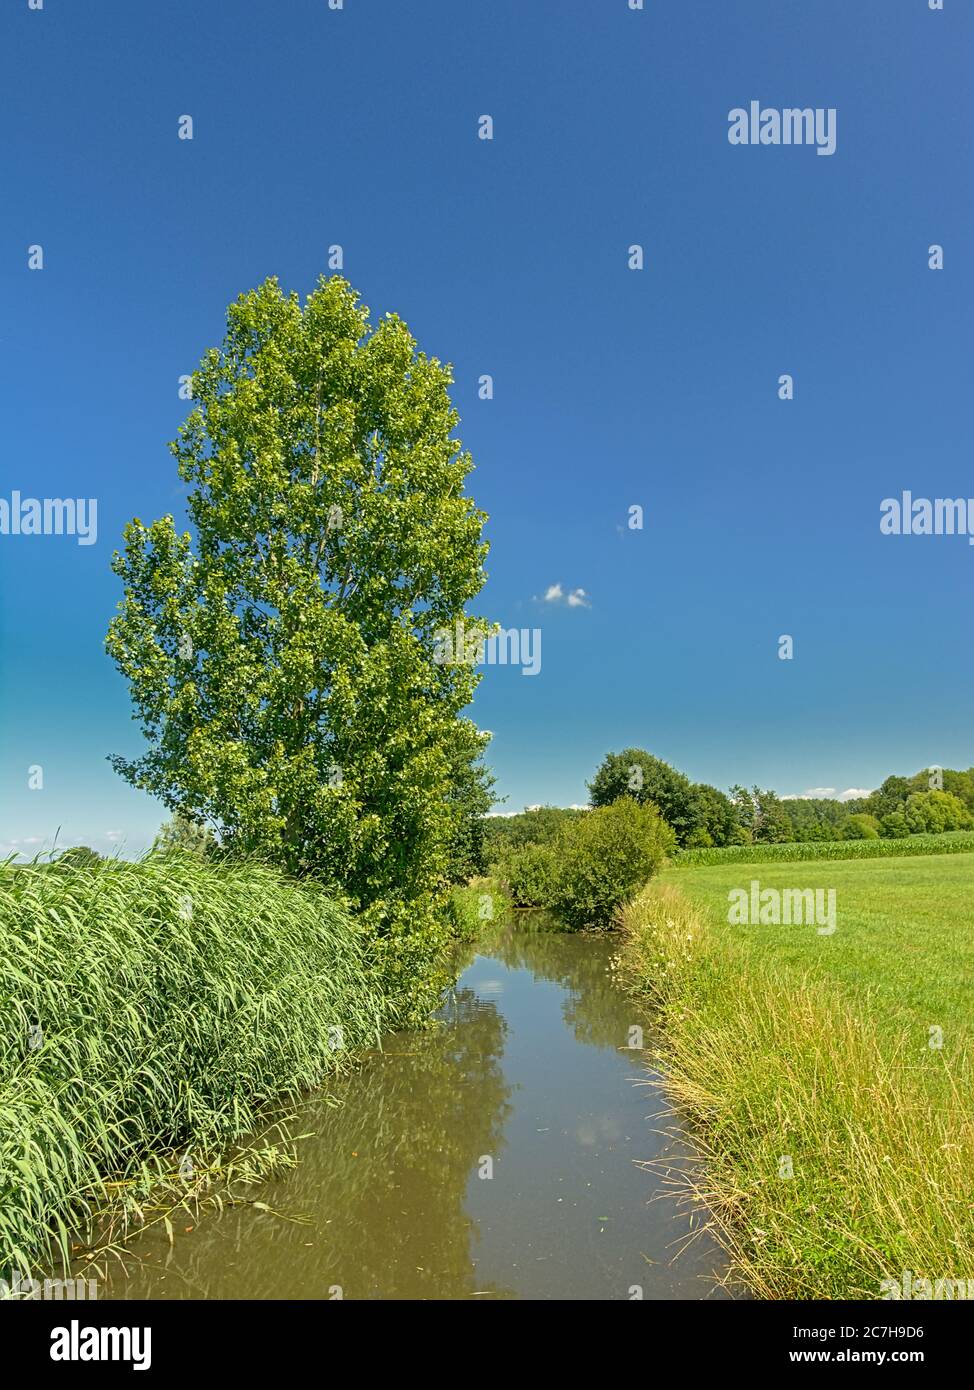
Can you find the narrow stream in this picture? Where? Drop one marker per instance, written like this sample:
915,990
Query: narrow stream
495,1157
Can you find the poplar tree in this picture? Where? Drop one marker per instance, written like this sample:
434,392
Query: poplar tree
281,654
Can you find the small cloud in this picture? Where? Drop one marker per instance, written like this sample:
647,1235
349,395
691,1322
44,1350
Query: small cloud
574,598
823,793
114,836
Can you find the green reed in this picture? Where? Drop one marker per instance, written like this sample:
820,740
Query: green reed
155,1007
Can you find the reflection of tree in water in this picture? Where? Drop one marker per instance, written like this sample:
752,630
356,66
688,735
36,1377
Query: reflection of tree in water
383,1182
595,1009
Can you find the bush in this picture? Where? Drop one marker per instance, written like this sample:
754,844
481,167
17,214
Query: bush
699,839
894,826
604,858
863,827
530,874
475,904
934,812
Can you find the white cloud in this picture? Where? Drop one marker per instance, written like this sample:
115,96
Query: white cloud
574,598
815,793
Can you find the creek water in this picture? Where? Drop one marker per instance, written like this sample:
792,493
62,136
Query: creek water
493,1157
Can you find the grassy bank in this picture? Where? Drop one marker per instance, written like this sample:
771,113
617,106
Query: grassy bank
161,1006
838,1143
949,842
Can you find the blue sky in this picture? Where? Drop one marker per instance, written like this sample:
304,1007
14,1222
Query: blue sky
612,387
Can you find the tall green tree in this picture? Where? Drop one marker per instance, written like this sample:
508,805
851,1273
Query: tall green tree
715,816
637,774
185,835
745,813
473,795
282,658
772,824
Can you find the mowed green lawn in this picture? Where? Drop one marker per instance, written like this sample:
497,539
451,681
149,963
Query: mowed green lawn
836,1128
904,938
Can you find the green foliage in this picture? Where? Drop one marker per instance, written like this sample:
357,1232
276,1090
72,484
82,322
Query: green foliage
161,1005
895,826
861,827
772,824
699,839
186,836
282,662
715,816
933,812
745,815
539,826
645,779
530,872
817,818
605,857
475,905
761,815
890,796
78,857
896,792
472,794
703,816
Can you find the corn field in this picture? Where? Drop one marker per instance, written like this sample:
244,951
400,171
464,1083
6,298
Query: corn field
950,842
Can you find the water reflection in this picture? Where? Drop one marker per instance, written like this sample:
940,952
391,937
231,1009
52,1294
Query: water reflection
492,1157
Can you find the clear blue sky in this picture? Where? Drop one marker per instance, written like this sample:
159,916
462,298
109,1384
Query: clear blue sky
613,387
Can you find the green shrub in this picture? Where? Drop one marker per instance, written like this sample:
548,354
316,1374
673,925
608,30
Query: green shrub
530,873
604,858
934,812
894,826
861,827
477,903
699,839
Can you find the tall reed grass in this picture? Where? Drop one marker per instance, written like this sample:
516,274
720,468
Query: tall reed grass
158,1006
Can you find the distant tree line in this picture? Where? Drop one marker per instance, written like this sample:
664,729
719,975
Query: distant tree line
930,802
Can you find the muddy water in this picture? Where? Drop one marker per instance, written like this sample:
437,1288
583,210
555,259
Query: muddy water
493,1158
